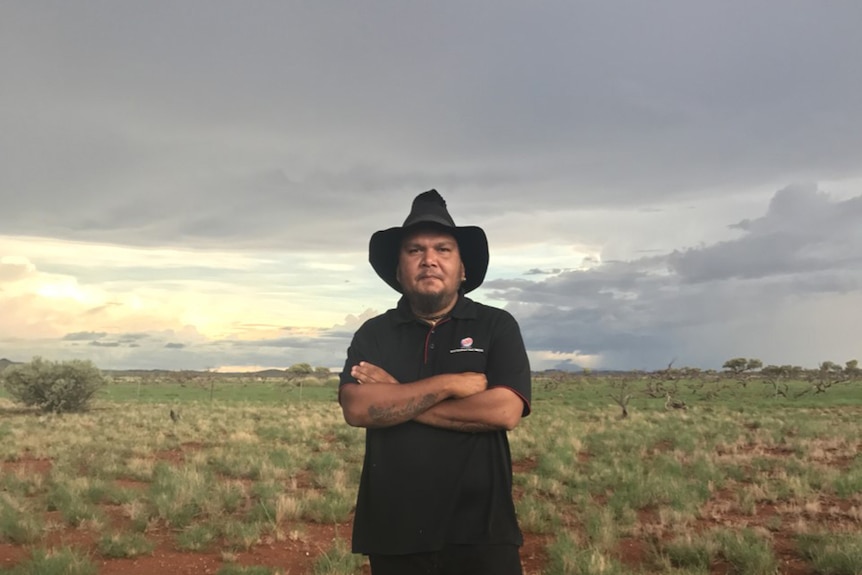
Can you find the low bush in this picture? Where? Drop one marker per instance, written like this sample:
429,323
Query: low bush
54,387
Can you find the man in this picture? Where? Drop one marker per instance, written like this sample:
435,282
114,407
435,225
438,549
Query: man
436,382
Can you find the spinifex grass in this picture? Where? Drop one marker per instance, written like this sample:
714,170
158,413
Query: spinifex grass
726,480
234,569
198,537
568,556
833,554
337,560
124,545
63,561
18,523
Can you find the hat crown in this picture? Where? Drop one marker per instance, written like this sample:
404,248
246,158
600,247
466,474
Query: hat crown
429,207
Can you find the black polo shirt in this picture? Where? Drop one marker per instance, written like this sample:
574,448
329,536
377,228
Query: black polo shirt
423,487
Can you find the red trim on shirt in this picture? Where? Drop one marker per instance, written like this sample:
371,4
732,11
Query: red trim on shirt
428,335
527,408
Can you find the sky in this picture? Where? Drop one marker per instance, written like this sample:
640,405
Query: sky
192,185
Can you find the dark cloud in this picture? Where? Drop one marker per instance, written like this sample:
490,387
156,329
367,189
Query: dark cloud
705,303
84,335
100,309
538,272
173,345
299,126
136,336
210,125
105,344
803,231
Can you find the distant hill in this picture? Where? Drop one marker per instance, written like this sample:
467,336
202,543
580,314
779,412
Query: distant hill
4,363
565,368
167,373
269,373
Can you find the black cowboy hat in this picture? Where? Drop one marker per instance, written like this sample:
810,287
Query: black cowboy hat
430,208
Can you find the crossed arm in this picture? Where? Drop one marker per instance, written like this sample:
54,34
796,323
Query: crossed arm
456,401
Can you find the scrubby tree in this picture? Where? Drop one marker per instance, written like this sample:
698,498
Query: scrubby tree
827,374
299,370
621,393
736,365
777,377
830,367
56,387
741,365
753,364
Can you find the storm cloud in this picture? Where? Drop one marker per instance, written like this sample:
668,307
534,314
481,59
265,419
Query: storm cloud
656,180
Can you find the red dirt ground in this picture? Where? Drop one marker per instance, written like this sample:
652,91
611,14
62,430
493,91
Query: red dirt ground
296,556
291,557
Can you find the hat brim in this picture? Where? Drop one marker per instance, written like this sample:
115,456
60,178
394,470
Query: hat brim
385,247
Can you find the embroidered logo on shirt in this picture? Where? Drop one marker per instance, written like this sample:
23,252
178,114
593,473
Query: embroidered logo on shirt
467,345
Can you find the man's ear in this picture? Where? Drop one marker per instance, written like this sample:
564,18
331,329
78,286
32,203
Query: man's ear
398,274
463,272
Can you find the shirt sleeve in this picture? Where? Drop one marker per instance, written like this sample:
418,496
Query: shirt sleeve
353,358
508,365
355,353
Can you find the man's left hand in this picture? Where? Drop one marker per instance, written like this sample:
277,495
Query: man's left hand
365,372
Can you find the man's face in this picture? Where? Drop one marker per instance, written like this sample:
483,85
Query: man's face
430,270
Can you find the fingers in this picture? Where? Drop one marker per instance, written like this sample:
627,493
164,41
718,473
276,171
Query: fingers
365,372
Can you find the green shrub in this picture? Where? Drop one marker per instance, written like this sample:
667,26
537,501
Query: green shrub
234,569
56,387
125,545
65,561
832,553
338,560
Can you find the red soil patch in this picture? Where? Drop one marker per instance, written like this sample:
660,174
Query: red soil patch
662,446
633,552
131,484
11,555
67,536
789,562
533,553
27,465
291,556
648,515
778,451
117,518
162,560
297,556
524,465
840,460
177,455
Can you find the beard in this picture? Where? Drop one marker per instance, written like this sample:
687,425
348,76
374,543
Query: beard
430,303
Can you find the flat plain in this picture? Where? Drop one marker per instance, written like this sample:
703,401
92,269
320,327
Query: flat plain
258,476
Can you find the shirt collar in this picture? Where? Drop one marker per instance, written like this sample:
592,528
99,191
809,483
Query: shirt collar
465,308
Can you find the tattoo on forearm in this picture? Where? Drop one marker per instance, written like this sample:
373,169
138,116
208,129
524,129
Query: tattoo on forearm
412,408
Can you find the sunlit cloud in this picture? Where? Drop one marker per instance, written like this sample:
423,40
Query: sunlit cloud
541,360
116,257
